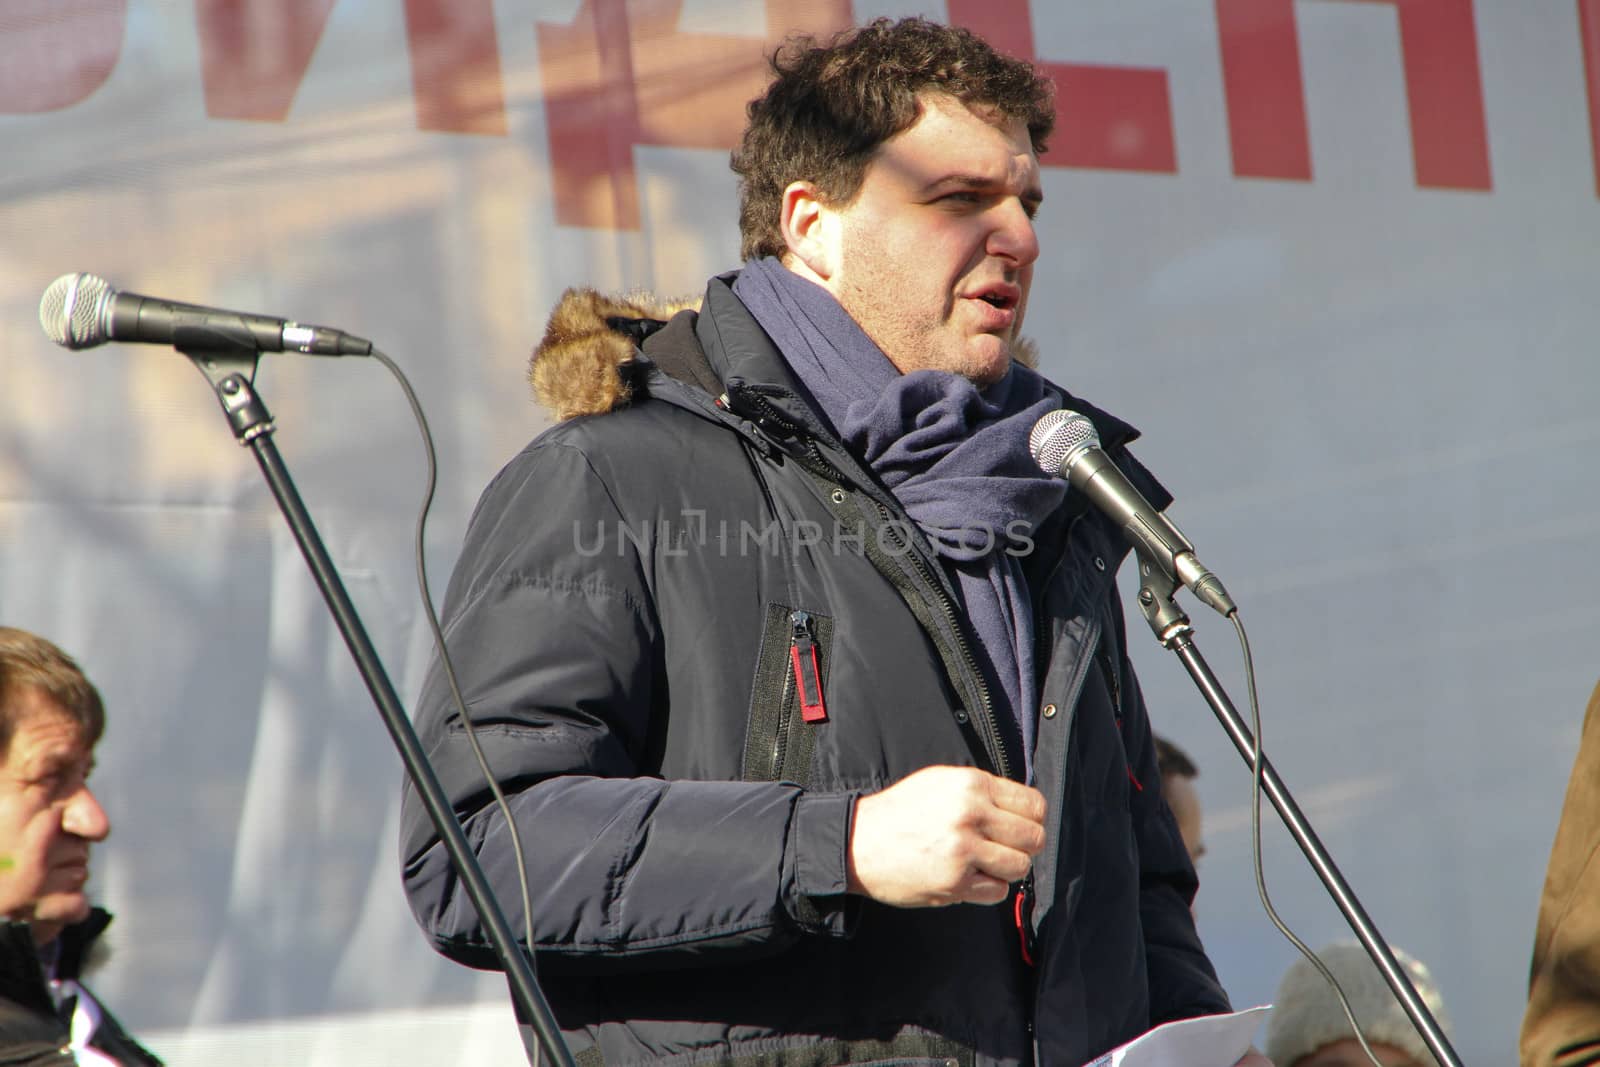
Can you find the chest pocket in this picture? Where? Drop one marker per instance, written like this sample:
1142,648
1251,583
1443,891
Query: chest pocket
789,697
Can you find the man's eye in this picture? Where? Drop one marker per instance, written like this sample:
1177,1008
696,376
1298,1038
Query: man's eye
49,782
63,781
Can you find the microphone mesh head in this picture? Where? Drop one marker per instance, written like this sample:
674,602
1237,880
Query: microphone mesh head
1058,437
69,311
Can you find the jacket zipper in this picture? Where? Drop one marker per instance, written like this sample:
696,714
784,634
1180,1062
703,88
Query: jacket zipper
780,743
985,700
807,673
828,470
1109,669
790,428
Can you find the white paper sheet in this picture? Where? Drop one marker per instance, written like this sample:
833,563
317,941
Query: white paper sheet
1204,1041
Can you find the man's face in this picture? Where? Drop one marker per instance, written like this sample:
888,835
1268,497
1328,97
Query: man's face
934,256
48,817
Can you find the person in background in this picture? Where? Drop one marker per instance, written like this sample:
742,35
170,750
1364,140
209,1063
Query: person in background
1562,1025
1308,1028
1178,773
51,717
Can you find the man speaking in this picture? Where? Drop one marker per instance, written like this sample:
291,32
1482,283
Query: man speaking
807,688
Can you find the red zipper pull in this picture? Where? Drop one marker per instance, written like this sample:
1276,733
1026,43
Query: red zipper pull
1022,912
807,675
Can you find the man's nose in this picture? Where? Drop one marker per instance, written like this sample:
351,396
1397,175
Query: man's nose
1013,236
84,817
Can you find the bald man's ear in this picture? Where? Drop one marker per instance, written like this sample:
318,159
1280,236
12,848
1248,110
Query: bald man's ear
810,231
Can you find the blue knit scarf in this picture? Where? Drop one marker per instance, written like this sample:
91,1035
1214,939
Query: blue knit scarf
954,455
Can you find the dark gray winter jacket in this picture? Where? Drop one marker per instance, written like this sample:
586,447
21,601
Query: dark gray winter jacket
34,1031
691,630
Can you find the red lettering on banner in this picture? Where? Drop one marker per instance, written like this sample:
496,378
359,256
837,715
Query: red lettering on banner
255,53
1444,91
455,65
621,74
1262,84
54,53
1589,30
1107,117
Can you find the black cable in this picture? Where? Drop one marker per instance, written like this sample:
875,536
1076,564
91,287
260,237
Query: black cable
449,668
1257,761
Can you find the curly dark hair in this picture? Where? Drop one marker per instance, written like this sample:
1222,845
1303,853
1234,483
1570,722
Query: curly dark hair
830,105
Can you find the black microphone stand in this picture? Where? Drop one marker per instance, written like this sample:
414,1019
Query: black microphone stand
232,376
1171,627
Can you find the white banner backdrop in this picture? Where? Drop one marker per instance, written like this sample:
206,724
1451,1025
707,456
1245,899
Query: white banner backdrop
1358,335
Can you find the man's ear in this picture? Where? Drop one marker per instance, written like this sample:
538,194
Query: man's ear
810,231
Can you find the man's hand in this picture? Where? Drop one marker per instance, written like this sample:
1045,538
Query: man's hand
945,835
1253,1059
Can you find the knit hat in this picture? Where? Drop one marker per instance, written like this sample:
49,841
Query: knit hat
1306,1015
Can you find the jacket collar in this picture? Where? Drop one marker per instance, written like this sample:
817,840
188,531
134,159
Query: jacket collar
21,973
77,940
22,976
743,357
758,384
600,352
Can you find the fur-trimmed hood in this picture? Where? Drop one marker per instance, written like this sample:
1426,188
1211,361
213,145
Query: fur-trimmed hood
582,366
586,362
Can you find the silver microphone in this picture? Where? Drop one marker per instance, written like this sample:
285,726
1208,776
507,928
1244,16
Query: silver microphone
1065,443
81,311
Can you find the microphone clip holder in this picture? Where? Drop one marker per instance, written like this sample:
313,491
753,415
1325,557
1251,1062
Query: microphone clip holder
232,375
1157,589
1171,627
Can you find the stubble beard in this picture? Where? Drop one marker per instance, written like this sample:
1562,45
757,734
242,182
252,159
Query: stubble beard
912,340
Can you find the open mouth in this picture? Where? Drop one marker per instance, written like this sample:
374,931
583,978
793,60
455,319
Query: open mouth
1003,297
